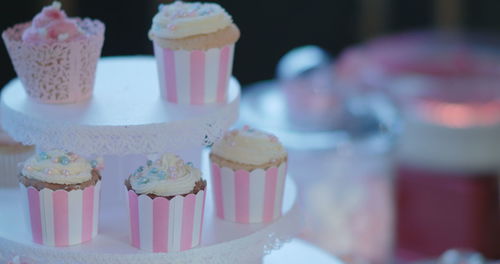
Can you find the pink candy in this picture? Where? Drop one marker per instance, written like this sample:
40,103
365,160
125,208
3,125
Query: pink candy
48,15
52,25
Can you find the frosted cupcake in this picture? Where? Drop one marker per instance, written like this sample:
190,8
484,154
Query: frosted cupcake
248,172
166,204
11,154
54,56
62,193
194,47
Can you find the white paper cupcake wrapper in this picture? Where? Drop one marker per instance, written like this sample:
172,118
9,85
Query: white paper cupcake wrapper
61,218
249,196
194,77
162,225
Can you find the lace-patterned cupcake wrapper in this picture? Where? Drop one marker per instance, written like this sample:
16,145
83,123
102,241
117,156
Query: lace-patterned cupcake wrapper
60,72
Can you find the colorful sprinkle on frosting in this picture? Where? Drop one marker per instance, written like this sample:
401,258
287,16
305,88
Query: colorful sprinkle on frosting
249,146
60,167
167,176
52,25
183,19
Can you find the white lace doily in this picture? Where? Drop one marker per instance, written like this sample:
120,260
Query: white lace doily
222,242
124,116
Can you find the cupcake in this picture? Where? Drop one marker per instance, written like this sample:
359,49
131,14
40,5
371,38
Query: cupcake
248,173
194,46
61,191
11,154
166,205
54,56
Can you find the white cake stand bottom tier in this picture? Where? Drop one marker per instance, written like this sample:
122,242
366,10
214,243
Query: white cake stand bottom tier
222,241
300,252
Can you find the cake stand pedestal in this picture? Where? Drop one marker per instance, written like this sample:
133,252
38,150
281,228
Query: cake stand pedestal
124,121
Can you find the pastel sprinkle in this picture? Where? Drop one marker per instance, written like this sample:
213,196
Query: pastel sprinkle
65,172
72,156
93,163
149,163
143,180
273,138
154,170
190,164
64,160
43,156
63,36
140,169
162,175
246,128
172,172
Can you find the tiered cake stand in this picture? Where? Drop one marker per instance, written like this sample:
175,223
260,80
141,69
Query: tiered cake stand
125,121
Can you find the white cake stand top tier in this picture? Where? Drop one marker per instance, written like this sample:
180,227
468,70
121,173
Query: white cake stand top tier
125,115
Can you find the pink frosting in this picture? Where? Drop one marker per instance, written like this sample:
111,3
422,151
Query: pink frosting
51,25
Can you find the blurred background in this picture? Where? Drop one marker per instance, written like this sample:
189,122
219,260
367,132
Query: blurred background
272,27
390,111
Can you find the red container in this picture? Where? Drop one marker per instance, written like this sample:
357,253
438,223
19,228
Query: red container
448,174
438,210
447,87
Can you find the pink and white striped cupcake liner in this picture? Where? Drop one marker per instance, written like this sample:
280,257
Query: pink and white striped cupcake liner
162,225
249,196
194,77
61,218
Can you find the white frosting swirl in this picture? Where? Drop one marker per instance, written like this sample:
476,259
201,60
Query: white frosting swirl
59,167
249,146
167,176
180,20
